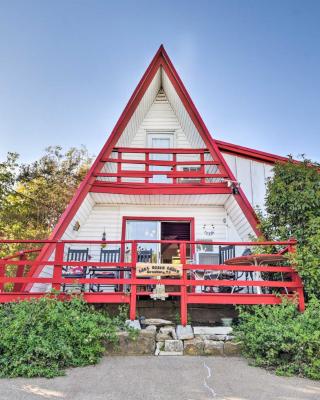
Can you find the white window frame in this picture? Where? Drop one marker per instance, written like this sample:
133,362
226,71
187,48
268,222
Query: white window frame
165,134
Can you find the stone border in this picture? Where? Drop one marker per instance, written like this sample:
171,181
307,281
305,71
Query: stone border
163,338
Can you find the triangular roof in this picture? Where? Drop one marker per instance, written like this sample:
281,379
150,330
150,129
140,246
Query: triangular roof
160,60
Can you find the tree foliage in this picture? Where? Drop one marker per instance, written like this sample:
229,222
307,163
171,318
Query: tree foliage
293,210
292,200
33,196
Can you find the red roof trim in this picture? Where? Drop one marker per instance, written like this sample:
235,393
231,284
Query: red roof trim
247,152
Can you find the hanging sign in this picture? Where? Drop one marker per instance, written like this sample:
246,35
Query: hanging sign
158,269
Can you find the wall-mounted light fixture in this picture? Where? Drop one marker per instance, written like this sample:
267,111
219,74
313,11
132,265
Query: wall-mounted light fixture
76,226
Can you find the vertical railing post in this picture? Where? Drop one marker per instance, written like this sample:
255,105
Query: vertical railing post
183,287
133,286
202,168
297,280
146,166
119,166
19,273
57,268
174,168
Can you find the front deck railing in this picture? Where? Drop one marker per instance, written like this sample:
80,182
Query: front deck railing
263,284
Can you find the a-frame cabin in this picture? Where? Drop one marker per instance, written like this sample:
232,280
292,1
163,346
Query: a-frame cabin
161,180
160,165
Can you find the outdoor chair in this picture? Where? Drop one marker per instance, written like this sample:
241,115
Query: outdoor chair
226,252
146,257
75,272
106,256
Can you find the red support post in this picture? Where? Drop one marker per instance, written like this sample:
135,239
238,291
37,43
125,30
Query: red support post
57,268
119,167
147,168
133,291
2,274
202,168
296,278
174,168
183,287
19,273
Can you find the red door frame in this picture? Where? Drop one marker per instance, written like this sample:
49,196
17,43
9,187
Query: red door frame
162,219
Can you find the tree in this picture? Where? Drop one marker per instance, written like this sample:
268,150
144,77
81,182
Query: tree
293,210
33,196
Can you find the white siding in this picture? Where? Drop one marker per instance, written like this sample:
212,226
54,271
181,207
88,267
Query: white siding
110,218
252,176
239,221
160,118
188,126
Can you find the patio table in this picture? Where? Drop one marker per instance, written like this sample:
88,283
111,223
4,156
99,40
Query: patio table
256,259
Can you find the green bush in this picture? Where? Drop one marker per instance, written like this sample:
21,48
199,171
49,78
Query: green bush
279,337
43,337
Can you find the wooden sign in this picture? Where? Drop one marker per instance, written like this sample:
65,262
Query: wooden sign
158,269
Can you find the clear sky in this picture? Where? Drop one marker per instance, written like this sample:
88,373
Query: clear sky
68,67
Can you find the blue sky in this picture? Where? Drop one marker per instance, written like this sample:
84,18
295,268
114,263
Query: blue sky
67,69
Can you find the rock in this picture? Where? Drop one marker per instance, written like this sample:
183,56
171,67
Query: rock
212,330
161,337
193,347
143,344
157,322
151,328
169,330
133,324
184,332
213,348
171,353
173,345
159,348
232,348
228,338
146,333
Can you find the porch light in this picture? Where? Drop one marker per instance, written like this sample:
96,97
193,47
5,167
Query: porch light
76,226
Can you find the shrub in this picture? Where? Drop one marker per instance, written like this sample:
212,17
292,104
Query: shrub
279,337
43,337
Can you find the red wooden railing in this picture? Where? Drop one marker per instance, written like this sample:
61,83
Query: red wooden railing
179,167
131,286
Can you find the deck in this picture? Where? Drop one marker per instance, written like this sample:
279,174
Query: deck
22,274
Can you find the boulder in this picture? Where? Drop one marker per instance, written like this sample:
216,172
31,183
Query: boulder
184,332
213,348
151,328
173,346
193,347
157,322
161,337
212,330
171,353
159,348
232,349
133,324
143,344
169,330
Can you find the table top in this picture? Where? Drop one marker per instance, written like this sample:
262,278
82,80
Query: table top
255,259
